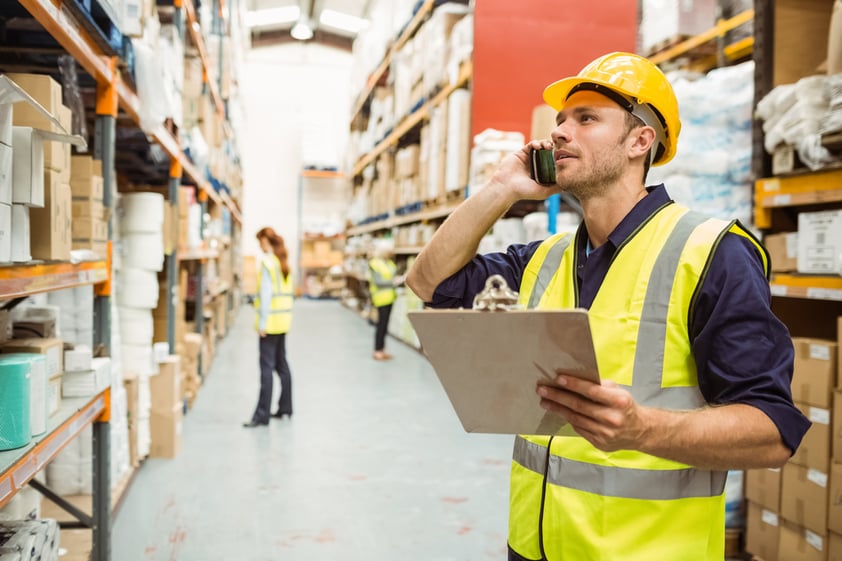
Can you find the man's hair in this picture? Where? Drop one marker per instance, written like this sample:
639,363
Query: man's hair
632,122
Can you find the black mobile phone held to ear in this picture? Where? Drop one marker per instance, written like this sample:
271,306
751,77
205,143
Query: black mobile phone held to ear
542,169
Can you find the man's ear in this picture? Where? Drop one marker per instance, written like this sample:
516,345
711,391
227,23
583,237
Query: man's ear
642,140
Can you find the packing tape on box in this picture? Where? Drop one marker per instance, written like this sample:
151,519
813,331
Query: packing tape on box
141,212
15,392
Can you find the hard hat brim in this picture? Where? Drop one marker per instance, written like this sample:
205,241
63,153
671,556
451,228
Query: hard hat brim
555,95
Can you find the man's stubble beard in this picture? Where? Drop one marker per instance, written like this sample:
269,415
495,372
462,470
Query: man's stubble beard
599,177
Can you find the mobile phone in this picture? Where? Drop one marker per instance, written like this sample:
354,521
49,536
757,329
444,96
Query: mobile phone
542,169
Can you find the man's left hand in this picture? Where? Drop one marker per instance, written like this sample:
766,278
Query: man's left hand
605,415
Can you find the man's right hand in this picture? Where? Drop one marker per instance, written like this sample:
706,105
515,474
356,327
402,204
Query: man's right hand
513,177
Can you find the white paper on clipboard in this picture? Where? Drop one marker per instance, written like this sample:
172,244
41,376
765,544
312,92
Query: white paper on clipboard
490,362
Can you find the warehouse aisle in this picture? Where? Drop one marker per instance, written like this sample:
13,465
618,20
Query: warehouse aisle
373,465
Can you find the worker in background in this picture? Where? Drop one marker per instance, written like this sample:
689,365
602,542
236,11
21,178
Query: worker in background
382,280
696,369
274,319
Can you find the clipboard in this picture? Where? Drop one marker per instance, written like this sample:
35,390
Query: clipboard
490,361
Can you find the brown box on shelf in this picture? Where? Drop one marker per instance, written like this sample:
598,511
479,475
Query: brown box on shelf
834,509
87,208
834,548
50,226
836,431
99,248
804,497
838,342
763,487
165,432
814,451
89,188
762,532
83,167
801,33
783,251
47,92
815,371
90,229
165,387
797,543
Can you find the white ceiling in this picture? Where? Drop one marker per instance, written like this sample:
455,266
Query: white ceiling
311,9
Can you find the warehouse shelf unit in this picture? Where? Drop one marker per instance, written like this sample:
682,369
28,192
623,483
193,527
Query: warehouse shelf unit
19,467
496,102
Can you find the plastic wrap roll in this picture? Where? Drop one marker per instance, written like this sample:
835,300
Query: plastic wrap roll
15,395
143,251
141,212
137,288
136,326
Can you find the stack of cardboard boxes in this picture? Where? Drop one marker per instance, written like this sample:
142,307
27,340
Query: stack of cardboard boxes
795,513
90,220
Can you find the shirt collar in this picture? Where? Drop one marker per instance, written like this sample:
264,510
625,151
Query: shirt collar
656,197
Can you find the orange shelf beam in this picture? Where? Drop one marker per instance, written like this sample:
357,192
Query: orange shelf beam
19,466
720,29
22,280
807,286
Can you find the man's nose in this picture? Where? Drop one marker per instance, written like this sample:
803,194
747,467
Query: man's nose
560,134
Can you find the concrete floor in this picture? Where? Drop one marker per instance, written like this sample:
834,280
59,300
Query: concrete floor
373,465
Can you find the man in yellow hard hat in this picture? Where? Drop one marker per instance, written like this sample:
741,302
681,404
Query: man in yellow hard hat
696,368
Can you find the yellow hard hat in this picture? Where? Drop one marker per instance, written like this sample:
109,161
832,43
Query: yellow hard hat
644,91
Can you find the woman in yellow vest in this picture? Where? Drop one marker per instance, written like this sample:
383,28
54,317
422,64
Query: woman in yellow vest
695,367
382,280
274,319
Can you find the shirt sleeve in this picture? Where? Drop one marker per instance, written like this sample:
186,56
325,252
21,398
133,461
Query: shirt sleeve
458,291
743,352
265,298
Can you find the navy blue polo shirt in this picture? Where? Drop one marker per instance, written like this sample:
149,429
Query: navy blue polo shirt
743,352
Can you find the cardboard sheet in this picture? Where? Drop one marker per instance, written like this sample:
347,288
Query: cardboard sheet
490,362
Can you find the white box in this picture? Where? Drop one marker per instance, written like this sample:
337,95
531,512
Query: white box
88,383
27,167
78,359
6,155
5,233
20,234
6,123
820,242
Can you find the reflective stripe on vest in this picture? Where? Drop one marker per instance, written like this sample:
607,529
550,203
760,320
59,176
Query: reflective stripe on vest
609,481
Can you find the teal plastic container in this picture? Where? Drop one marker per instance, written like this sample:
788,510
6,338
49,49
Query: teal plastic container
38,403
15,396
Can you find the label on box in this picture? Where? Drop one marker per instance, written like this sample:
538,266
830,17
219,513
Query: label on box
771,184
781,200
769,517
778,289
817,477
819,415
814,540
820,352
824,293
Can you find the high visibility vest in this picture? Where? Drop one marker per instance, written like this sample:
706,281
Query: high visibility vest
280,308
380,281
573,502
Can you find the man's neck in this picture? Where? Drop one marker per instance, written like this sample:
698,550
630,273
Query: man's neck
603,213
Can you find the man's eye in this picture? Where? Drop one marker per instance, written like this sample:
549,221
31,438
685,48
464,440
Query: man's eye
585,118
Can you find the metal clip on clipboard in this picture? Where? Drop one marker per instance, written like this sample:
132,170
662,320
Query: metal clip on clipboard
496,296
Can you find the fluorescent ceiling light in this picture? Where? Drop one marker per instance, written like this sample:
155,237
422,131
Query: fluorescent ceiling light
301,31
272,16
346,22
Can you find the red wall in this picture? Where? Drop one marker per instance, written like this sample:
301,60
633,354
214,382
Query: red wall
521,46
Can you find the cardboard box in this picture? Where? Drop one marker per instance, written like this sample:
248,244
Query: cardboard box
838,342
99,248
5,233
804,497
820,242
52,348
815,371
797,543
762,532
6,158
87,188
834,508
165,429
27,167
45,91
783,251
801,32
84,167
836,435
834,550
814,451
90,229
5,325
50,227
53,395
165,387
763,487
87,208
